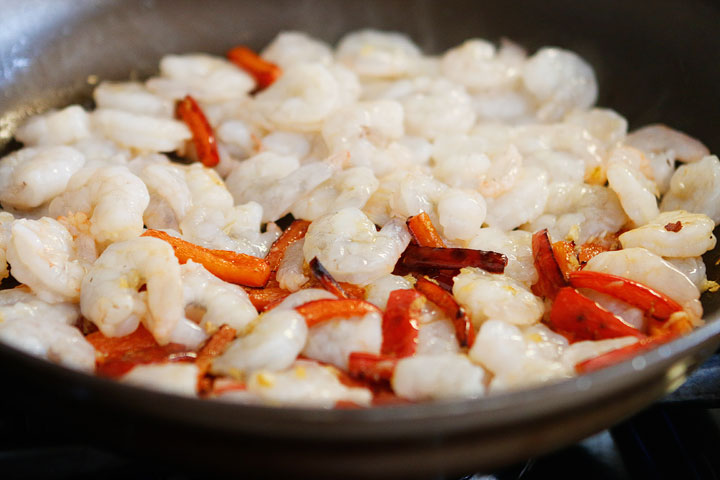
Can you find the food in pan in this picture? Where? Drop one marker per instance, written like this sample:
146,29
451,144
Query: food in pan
363,225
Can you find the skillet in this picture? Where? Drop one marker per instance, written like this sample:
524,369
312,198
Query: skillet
655,62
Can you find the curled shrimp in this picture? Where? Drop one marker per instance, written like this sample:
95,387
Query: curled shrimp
673,234
111,298
112,197
659,138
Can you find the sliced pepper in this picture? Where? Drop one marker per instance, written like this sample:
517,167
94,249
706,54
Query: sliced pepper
203,136
318,311
550,277
464,330
424,232
400,324
264,72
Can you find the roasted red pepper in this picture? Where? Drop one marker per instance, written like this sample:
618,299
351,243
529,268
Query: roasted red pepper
326,309
400,323
579,318
417,258
203,136
464,330
424,232
295,231
265,73
371,367
550,276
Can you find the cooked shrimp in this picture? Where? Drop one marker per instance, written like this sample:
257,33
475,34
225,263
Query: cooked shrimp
693,268
176,378
649,269
170,197
307,384
673,234
20,303
426,377
349,188
461,214
437,337
275,341
475,64
350,247
205,77
581,351
561,81
488,296
301,98
696,188
659,138
112,197
44,337
56,127
602,123
291,273
32,176
519,358
524,203
460,160
141,132
110,296
635,192
212,302
378,291
42,255
436,107
292,48
275,182
516,245
377,54
132,97
6,220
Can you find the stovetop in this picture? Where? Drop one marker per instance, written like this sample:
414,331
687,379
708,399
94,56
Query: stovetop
677,438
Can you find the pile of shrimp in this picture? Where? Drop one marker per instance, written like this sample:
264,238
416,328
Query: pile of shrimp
352,226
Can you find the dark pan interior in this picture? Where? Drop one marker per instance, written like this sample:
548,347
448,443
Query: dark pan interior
655,61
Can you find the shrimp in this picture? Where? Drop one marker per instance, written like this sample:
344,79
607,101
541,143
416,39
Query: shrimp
132,97
275,182
580,212
6,220
42,255
693,268
141,132
488,296
301,98
292,48
332,341
290,274
32,176
673,234
437,107
378,291
602,123
20,303
475,64
560,81
696,188
519,357
52,340
275,341
377,54
660,139
350,247
585,350
635,192
170,197
306,384
426,377
175,378
524,203
516,245
349,188
56,127
212,302
436,336
110,296
649,269
460,160
461,214
204,77
112,197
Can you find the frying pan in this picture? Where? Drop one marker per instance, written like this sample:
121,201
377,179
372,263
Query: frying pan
655,61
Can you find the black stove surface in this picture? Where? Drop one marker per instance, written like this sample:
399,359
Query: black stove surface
677,438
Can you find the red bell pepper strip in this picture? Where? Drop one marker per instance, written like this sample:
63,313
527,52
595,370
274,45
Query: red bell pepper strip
579,318
213,347
264,299
229,266
371,367
567,260
400,323
464,330
424,232
550,276
265,73
319,311
203,136
650,301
